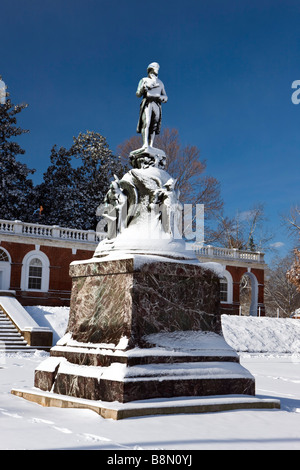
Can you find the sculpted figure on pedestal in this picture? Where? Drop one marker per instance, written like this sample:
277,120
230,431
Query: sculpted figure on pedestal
142,209
152,90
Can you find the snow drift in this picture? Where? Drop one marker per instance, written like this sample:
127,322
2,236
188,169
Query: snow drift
244,334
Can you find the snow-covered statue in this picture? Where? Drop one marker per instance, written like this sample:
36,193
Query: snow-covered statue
142,209
152,90
113,209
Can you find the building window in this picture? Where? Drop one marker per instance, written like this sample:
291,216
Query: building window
4,269
35,274
223,290
226,288
3,256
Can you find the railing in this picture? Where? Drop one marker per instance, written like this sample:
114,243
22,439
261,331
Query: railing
55,232
49,231
209,251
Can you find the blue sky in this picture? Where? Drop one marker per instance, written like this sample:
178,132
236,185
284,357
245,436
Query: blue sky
227,66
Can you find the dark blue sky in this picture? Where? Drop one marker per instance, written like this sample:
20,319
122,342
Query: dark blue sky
227,67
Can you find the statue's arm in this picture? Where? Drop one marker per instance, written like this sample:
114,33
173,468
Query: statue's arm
163,94
141,88
158,92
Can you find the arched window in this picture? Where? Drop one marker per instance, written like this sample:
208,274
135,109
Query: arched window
35,272
223,290
3,256
226,287
249,294
4,269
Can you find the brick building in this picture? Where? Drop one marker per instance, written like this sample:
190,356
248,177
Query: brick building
238,263
35,259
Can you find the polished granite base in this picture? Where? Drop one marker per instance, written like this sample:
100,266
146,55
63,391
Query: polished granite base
121,383
143,327
132,296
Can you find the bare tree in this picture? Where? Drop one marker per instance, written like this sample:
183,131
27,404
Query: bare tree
279,291
293,220
245,231
184,164
293,274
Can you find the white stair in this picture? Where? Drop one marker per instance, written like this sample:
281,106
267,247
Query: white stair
10,338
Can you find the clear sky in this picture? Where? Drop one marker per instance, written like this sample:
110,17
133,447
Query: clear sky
228,68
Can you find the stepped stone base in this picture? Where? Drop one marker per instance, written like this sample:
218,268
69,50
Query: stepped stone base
143,373
143,328
118,411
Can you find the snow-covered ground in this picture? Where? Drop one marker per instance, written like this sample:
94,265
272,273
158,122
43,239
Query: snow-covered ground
269,348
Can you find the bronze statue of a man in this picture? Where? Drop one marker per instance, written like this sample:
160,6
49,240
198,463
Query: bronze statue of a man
153,92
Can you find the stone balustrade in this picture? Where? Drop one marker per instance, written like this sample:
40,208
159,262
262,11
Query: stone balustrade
55,232
49,232
209,251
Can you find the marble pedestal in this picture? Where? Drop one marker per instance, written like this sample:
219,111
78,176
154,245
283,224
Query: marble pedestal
123,300
143,327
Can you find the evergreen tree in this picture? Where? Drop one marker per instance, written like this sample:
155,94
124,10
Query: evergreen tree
16,190
70,193
56,194
251,244
94,176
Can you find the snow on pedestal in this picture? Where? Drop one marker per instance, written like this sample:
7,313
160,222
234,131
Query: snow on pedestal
142,329
144,317
141,285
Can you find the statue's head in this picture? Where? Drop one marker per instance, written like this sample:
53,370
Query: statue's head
154,66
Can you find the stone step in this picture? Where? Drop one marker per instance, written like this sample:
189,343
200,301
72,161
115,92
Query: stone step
122,383
4,339
90,356
8,327
14,343
8,330
209,404
4,319
14,349
10,338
